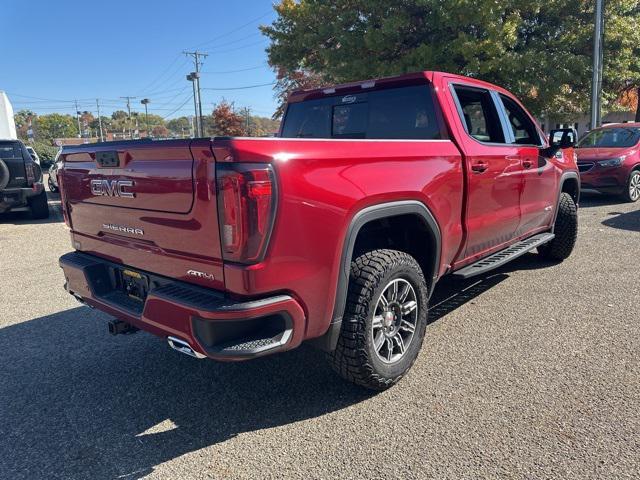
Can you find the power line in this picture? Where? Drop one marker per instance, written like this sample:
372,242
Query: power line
177,109
240,88
237,40
235,71
175,59
237,29
213,52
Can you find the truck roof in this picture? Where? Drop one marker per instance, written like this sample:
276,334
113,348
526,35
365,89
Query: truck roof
415,78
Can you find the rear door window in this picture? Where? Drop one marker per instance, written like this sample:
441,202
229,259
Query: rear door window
479,114
395,113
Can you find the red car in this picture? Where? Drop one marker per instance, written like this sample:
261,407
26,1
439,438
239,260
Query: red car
609,160
335,233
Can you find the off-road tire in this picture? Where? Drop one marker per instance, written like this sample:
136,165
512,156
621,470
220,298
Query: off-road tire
39,206
566,231
633,181
4,175
355,358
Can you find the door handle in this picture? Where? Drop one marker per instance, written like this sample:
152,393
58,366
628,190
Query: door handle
527,164
479,167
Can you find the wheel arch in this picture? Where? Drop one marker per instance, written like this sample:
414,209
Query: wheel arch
407,209
570,183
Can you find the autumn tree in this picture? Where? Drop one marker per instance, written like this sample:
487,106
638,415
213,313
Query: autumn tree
538,49
226,122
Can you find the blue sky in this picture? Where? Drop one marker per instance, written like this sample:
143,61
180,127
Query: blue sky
58,51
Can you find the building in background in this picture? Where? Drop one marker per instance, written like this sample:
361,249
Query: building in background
583,123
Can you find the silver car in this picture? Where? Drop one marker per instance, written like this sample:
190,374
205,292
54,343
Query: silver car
53,173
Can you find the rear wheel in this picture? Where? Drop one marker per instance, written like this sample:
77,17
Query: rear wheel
566,231
39,206
632,192
384,321
4,175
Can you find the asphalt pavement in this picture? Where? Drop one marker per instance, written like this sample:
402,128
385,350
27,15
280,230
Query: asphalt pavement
530,372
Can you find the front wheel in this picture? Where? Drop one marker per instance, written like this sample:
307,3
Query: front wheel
632,192
566,231
384,321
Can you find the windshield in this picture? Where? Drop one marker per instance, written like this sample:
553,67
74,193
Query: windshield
619,137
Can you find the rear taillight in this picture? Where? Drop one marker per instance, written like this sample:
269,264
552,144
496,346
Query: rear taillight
31,172
66,214
246,210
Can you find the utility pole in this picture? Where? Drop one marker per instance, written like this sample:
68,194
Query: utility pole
145,102
78,119
128,99
196,129
195,78
247,112
596,82
99,120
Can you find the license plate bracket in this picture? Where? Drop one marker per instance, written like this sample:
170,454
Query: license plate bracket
134,284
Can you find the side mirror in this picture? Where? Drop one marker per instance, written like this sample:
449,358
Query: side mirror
563,138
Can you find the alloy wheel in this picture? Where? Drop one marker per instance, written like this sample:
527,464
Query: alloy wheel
634,186
394,320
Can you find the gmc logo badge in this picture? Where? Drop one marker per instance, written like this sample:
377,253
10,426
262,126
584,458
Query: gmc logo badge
112,188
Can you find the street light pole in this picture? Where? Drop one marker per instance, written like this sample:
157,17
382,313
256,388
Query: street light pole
78,120
99,119
596,82
195,78
145,102
198,127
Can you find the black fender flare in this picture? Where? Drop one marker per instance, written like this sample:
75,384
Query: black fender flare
376,212
563,179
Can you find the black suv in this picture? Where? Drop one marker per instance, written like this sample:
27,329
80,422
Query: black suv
21,185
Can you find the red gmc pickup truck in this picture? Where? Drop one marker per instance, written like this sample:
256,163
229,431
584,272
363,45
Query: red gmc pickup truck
335,232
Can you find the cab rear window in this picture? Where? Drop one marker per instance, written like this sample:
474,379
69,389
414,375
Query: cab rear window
398,113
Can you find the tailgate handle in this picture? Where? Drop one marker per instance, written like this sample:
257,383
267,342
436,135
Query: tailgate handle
108,159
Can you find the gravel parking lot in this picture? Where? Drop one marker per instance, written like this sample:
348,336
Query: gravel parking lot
530,372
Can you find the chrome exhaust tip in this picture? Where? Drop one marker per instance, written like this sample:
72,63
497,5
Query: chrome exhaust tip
183,347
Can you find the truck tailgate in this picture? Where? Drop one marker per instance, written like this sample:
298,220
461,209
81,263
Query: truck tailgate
146,204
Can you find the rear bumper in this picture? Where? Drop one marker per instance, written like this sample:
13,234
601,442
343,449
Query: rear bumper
18,197
213,325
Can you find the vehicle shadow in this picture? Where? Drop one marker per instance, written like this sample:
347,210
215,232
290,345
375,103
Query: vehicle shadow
592,198
78,403
451,293
624,221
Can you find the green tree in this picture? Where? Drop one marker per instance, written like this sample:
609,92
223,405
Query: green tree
21,119
262,126
154,121
178,126
46,152
538,49
55,125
